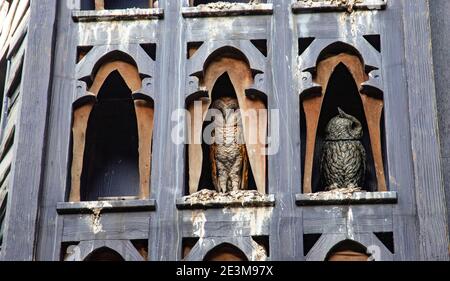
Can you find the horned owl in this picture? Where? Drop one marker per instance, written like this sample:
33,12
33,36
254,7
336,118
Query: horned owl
228,153
343,159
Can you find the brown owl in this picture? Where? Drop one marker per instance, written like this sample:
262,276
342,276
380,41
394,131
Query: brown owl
228,153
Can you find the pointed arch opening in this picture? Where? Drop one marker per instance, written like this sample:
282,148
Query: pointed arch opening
342,92
223,88
112,136
110,163
341,74
348,250
104,254
227,73
225,252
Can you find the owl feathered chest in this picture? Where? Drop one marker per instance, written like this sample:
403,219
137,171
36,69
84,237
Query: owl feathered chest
343,155
343,163
228,141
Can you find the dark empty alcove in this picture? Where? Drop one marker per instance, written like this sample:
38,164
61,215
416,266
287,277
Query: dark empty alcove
110,163
87,4
225,252
348,250
222,88
123,4
341,80
342,92
104,254
115,4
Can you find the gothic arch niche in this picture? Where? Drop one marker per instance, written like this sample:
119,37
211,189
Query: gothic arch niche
104,254
225,252
339,76
226,72
112,134
348,250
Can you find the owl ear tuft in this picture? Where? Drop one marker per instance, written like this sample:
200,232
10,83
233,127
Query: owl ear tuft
342,114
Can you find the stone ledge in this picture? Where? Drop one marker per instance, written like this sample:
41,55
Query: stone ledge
307,6
206,199
234,9
117,15
114,206
356,198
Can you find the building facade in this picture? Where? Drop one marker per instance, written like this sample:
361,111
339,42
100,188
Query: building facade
101,150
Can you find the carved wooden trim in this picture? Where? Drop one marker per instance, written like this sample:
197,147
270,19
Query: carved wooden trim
144,115
123,247
79,128
99,4
245,244
327,241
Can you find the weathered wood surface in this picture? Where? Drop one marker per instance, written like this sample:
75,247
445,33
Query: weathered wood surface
114,15
106,206
82,251
26,174
237,10
226,222
106,226
439,13
341,199
412,157
430,196
328,6
349,220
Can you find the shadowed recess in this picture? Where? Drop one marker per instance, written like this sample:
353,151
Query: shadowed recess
348,250
342,92
222,88
225,252
110,164
309,240
104,254
304,43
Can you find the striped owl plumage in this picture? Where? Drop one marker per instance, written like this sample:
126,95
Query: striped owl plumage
228,153
343,160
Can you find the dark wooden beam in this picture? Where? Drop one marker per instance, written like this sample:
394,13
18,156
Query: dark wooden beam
31,133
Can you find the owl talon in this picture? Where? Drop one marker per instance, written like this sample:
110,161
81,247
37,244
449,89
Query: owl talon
332,187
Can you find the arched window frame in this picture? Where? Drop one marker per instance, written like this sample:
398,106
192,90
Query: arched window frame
319,64
207,64
92,71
